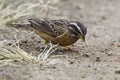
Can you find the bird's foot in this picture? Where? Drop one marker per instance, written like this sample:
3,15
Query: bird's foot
67,48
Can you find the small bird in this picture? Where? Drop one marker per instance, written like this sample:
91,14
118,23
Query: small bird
61,32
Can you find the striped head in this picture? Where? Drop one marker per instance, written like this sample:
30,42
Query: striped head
78,29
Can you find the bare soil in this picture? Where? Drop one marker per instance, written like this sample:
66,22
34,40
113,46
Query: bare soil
96,59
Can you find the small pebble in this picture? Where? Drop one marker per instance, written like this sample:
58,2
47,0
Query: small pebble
117,72
71,62
86,55
109,53
118,45
103,17
98,59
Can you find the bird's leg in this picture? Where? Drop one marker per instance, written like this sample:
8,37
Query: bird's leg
64,48
47,43
67,48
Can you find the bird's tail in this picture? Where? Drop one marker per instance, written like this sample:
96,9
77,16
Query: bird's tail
21,25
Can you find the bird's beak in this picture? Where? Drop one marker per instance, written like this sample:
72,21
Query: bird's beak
82,38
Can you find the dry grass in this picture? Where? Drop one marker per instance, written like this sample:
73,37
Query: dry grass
10,14
10,53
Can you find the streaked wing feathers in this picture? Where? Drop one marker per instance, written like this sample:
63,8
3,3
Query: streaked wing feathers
51,27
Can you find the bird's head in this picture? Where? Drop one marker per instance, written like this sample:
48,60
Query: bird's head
78,29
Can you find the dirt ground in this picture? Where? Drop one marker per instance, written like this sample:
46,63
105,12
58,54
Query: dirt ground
96,59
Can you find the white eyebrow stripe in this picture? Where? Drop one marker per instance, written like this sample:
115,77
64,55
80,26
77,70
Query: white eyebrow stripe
71,28
73,23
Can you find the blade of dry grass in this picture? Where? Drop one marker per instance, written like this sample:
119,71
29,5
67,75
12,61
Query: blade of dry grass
13,53
47,51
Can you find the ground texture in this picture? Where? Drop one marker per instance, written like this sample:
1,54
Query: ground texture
96,59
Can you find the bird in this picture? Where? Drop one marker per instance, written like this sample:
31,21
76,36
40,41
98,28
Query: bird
57,31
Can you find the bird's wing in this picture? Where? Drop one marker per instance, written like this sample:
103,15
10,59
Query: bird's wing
53,28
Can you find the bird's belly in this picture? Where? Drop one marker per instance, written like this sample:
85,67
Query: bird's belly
64,40
45,36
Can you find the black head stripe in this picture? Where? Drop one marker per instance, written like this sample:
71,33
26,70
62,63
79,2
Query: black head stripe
78,27
74,28
83,28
